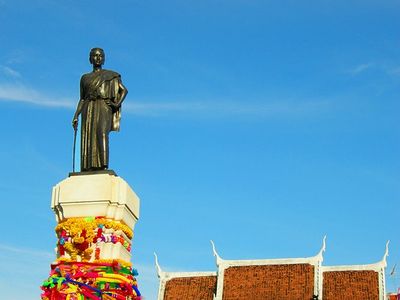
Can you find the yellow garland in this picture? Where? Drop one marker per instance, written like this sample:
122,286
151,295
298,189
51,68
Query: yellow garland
74,227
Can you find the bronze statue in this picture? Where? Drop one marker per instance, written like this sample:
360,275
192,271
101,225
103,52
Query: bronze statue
102,93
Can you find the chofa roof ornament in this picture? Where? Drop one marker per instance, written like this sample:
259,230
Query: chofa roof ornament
386,254
158,268
323,248
218,258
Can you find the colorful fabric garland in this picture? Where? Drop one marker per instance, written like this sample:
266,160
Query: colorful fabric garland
76,236
94,281
79,272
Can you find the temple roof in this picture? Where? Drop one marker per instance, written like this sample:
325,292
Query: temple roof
283,279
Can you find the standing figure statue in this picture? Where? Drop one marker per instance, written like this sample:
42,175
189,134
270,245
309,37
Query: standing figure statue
102,93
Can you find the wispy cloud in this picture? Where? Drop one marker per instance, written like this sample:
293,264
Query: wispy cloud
147,272
265,108
9,72
30,252
148,280
16,261
360,68
386,68
21,93
394,71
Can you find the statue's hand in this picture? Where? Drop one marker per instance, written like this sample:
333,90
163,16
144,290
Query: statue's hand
75,123
112,103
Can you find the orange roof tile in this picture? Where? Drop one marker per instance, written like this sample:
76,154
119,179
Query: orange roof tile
352,285
283,282
191,288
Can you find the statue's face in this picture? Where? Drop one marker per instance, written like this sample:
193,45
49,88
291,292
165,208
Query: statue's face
97,57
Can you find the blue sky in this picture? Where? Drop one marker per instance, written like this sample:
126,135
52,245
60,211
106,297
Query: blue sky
262,125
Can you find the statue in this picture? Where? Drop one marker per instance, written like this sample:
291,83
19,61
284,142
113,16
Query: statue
101,95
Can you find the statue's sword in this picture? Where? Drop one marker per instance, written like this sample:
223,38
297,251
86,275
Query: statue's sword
73,150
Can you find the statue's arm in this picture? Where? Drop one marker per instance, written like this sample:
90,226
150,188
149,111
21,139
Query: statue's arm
123,91
78,108
77,113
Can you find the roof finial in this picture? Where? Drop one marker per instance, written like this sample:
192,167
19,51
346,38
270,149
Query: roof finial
386,252
217,257
158,268
323,248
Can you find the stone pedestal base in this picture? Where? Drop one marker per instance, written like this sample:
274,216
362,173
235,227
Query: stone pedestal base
95,195
96,214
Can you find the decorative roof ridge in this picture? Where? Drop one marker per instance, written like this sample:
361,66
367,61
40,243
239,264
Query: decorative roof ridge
170,275
362,267
315,260
166,276
218,259
320,254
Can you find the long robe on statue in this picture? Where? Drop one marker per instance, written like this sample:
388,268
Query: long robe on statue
98,118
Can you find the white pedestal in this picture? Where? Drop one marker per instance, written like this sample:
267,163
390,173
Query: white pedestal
102,195
97,195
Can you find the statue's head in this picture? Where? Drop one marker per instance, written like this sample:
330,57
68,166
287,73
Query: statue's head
97,57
